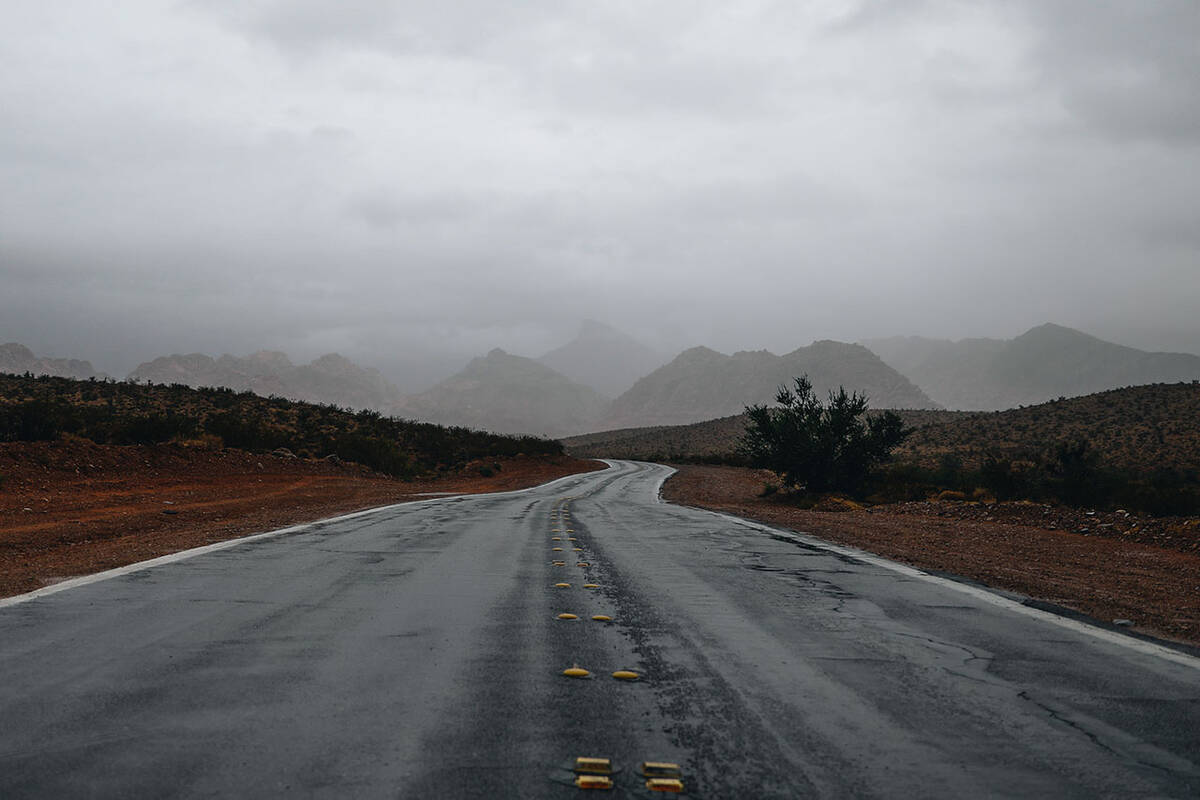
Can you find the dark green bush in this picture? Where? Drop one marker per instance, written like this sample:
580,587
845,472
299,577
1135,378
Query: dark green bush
111,412
819,447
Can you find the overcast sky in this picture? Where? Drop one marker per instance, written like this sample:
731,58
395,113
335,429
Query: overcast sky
413,183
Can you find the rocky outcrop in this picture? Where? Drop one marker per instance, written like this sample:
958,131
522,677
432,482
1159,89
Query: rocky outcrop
702,384
331,379
17,359
1042,364
505,393
604,358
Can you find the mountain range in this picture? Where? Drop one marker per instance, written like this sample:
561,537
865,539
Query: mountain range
561,393
702,384
1143,428
17,359
1044,363
604,358
331,379
505,393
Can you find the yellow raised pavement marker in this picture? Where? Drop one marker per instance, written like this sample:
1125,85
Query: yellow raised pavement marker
558,563
591,586
576,672
593,766
602,618
582,564
593,782
673,785
626,675
556,549
661,769
562,586
577,549
556,538
567,616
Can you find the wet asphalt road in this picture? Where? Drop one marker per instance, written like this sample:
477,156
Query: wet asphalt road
416,652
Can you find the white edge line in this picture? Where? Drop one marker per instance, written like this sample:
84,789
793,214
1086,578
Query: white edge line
986,595
116,572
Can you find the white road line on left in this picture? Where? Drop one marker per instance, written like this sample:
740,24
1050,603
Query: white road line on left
108,574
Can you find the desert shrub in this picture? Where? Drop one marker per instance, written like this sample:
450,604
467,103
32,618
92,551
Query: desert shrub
1010,479
819,447
35,420
243,432
900,482
835,504
381,455
152,428
983,496
1166,492
1076,477
111,412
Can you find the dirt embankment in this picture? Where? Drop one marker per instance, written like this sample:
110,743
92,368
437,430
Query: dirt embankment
74,507
1106,572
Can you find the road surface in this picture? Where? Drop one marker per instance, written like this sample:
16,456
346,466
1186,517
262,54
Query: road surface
416,651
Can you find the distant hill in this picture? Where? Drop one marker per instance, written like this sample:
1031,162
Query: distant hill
1143,428
1042,364
17,359
604,358
702,384
509,394
715,439
1140,428
120,413
331,379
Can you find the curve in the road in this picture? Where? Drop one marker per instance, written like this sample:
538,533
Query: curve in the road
418,651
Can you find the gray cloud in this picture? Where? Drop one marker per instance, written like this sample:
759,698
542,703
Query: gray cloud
414,183
1129,71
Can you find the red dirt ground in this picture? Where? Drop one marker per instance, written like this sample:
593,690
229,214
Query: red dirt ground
1109,578
74,507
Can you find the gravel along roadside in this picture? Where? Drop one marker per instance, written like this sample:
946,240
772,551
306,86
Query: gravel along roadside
1152,589
72,508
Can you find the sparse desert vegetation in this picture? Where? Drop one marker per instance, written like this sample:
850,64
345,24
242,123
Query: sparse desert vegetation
1132,448
109,412
96,474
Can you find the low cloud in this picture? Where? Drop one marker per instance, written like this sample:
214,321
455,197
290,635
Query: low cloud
415,184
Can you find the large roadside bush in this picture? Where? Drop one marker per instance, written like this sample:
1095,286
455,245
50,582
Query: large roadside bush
820,447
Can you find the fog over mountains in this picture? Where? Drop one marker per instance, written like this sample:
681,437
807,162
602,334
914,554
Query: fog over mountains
18,359
509,393
603,357
702,384
330,379
1044,363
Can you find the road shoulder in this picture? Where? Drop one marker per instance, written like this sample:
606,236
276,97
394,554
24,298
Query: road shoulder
1157,589
76,508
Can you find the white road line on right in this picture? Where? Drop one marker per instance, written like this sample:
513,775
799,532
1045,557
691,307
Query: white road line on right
986,595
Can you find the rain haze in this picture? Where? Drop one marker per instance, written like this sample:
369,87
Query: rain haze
414,184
